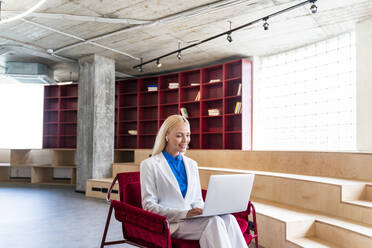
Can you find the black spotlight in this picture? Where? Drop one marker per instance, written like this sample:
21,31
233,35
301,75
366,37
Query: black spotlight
140,68
266,25
179,55
313,9
229,38
158,64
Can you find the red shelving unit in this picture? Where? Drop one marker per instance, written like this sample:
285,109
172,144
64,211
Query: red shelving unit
60,116
144,111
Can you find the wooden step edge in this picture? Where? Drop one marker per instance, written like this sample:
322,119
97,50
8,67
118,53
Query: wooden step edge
359,203
102,180
325,180
286,213
312,242
126,163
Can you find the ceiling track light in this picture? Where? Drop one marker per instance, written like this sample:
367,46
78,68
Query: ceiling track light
229,38
158,64
140,67
313,9
266,24
179,55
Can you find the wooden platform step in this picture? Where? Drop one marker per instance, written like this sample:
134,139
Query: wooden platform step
311,242
98,188
281,225
339,197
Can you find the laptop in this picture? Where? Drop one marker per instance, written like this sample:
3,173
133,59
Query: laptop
227,194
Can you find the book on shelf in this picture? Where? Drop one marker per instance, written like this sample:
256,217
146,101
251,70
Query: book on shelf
194,84
238,108
152,87
213,112
239,92
215,80
173,86
132,132
197,98
184,112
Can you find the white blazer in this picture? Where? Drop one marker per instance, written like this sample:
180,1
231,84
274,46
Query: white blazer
161,193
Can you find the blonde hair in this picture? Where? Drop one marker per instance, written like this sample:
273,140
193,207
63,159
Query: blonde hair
167,125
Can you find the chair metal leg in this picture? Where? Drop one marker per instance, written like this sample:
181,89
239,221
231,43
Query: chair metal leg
106,226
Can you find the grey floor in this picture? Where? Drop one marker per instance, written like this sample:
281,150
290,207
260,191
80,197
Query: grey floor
52,216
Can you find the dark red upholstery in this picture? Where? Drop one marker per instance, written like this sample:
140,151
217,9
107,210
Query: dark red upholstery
151,230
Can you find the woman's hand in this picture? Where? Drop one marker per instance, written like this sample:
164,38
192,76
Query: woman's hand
194,212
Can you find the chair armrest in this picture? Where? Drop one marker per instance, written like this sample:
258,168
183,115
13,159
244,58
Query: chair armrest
140,218
109,191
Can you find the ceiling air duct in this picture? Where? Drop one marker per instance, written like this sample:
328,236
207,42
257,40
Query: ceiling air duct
31,73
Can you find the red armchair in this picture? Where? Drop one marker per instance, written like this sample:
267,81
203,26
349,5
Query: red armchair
147,229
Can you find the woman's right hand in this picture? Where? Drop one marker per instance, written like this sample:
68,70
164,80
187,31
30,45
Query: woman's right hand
194,212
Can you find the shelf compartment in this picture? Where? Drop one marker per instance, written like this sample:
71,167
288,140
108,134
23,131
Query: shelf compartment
189,77
148,99
146,141
50,129
68,103
50,142
127,100
230,104
50,104
211,104
212,73
233,69
127,114
189,94
194,141
51,91
193,109
68,116
194,125
145,82
50,116
233,123
212,91
168,110
67,129
169,96
69,90
213,124
148,127
127,86
127,142
233,140
231,87
212,141
148,113
124,127
166,79
67,141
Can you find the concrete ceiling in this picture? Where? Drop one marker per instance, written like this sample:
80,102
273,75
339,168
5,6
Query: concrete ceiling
61,31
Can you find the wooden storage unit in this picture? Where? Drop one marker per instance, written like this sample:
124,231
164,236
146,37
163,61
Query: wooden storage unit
60,116
218,85
42,164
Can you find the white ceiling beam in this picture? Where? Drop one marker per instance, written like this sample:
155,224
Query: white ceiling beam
78,18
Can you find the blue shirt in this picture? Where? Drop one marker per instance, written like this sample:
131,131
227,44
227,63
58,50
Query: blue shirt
178,169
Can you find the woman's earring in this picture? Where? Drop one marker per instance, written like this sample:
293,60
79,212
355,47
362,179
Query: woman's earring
166,138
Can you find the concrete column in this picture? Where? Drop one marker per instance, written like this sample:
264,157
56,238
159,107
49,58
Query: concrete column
363,38
96,119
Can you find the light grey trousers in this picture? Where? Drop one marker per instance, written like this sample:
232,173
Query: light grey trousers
212,232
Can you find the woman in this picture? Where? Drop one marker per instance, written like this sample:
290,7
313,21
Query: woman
170,186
